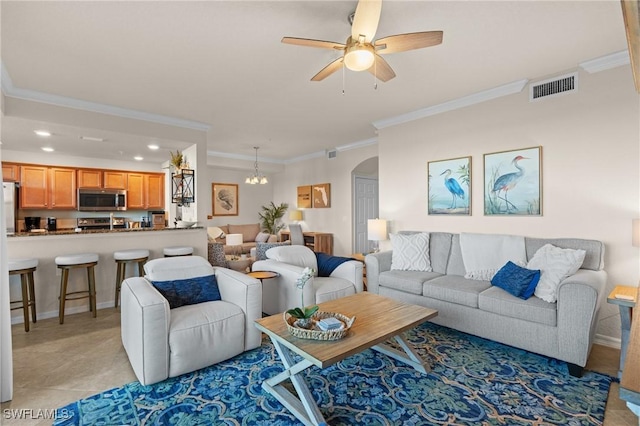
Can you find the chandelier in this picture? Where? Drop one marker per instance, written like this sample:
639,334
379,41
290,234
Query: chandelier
256,177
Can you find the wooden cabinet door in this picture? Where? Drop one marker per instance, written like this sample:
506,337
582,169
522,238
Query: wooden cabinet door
10,172
89,178
135,191
155,191
34,187
115,180
62,188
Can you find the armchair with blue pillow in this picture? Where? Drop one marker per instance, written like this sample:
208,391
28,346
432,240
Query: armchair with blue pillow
184,315
334,277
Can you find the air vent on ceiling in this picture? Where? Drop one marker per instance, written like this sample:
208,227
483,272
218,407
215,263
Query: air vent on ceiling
332,153
553,87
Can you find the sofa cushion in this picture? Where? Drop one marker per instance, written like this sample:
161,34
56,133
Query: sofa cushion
516,280
594,258
199,335
555,264
408,281
456,264
249,232
262,237
455,289
189,291
329,288
410,252
533,309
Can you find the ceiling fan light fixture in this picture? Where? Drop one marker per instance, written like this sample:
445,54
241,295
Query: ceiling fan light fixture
359,57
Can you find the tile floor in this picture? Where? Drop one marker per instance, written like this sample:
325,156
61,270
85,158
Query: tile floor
55,365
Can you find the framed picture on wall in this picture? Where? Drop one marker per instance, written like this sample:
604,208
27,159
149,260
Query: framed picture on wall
449,186
321,195
304,197
224,197
513,182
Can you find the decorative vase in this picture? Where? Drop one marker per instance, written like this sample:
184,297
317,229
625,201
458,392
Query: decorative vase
306,323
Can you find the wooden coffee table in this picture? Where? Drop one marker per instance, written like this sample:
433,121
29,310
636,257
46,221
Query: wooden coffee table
378,319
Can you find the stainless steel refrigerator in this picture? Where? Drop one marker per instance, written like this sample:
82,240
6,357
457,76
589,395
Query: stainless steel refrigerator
10,191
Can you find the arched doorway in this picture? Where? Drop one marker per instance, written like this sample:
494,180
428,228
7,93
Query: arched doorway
365,202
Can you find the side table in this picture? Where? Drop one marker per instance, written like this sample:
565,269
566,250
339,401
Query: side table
263,275
360,257
626,301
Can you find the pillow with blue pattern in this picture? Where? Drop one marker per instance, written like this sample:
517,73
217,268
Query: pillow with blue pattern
189,291
516,280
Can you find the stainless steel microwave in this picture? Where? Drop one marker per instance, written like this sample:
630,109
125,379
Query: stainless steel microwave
98,200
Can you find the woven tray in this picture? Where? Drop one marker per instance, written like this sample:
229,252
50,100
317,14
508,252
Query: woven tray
317,333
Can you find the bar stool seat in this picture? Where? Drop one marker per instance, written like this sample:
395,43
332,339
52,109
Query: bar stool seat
178,251
122,257
25,268
72,261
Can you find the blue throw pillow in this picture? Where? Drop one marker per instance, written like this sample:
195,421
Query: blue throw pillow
516,280
327,264
189,291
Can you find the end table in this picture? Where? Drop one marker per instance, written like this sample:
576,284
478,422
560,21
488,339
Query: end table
625,297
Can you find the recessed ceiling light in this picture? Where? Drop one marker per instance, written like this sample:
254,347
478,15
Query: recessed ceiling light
92,139
43,133
138,158
153,146
47,149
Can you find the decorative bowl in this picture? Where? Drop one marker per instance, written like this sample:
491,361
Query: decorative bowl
314,332
185,224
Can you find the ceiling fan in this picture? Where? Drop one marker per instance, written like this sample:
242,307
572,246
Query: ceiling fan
361,52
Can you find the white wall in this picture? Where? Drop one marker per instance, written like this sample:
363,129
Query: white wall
590,158
337,171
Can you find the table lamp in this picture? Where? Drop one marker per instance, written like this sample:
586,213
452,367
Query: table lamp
376,231
295,215
234,240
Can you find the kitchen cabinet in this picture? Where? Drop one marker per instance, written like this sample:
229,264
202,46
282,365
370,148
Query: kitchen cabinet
10,172
102,179
47,187
145,191
89,178
115,180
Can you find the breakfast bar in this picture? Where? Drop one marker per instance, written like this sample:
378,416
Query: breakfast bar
47,245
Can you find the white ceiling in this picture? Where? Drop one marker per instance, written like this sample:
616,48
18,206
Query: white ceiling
220,64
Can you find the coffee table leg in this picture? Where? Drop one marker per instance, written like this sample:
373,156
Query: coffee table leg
304,408
409,356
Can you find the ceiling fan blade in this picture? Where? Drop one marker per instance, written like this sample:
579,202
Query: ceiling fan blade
410,41
365,20
313,43
381,69
328,70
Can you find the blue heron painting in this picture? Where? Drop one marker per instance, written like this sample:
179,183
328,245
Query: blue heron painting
512,182
450,195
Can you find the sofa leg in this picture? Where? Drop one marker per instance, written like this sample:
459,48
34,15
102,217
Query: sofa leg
575,370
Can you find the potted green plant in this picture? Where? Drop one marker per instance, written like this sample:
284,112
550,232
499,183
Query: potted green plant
177,160
302,313
270,217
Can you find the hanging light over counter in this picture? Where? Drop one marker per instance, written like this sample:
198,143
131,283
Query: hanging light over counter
256,177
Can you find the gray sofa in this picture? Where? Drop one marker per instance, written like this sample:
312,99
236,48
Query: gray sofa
563,330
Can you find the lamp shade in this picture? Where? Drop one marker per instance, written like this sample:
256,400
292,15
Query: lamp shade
376,229
233,239
295,215
635,236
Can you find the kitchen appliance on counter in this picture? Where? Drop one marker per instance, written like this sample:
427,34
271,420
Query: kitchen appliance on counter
157,219
52,224
31,223
96,223
95,200
10,192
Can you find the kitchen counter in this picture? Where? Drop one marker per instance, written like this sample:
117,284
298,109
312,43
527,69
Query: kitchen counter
71,231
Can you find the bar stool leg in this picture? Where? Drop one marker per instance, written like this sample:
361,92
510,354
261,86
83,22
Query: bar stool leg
63,292
25,300
92,290
141,267
32,296
120,272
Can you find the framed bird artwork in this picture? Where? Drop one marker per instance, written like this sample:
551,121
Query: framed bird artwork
449,187
513,182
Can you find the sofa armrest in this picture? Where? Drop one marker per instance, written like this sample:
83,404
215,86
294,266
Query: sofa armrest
579,299
245,292
376,264
352,272
145,319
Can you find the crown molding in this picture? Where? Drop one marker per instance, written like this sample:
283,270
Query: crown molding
606,62
12,91
476,98
242,157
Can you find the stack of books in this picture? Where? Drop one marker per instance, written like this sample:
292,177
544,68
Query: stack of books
330,323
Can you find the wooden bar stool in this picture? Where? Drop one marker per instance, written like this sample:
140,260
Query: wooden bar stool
177,251
74,261
25,268
122,257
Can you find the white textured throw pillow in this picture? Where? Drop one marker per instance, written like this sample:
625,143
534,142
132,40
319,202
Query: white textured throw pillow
410,252
555,264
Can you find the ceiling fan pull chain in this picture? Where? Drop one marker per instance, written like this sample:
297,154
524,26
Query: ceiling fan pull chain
375,75
343,78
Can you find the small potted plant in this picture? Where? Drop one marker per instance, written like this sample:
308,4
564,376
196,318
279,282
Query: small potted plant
303,314
177,160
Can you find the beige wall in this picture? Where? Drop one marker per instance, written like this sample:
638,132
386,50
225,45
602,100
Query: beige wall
590,156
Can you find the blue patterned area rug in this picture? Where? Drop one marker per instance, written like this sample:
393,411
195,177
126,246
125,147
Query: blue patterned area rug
473,382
